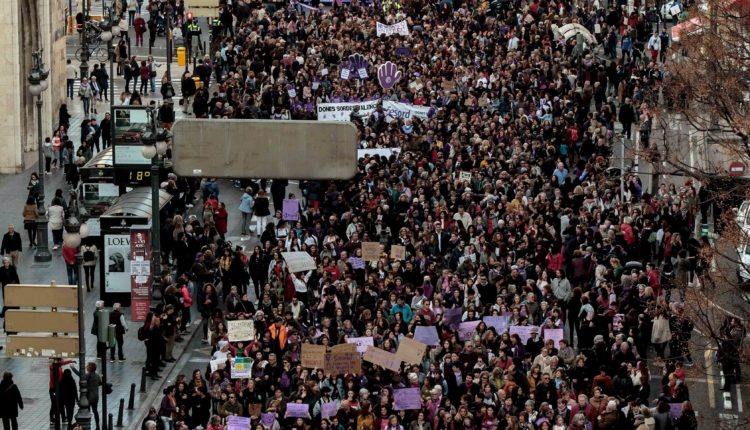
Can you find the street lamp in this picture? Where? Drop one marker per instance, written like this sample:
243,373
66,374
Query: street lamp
37,85
108,36
85,42
154,148
74,232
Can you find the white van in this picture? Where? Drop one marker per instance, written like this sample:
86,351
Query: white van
743,250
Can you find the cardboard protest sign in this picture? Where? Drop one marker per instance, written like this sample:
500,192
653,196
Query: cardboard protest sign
297,410
343,359
290,210
406,399
428,335
467,329
452,317
299,261
361,342
241,367
398,252
217,364
238,423
411,351
556,334
523,331
370,251
328,409
465,176
313,356
241,330
384,359
498,322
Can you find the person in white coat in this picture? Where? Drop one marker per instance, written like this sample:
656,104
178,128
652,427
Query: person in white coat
56,217
654,46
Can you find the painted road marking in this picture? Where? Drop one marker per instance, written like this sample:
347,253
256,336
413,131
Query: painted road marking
739,399
710,379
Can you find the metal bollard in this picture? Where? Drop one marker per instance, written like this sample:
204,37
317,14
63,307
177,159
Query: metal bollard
120,411
109,421
131,400
143,380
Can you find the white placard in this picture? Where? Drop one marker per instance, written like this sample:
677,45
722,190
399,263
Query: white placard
241,330
399,28
341,111
299,261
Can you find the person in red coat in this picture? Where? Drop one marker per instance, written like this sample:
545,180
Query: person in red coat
220,218
140,29
69,256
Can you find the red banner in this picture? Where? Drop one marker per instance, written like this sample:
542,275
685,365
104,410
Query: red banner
140,273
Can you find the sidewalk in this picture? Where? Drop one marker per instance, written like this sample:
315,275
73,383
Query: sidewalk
31,374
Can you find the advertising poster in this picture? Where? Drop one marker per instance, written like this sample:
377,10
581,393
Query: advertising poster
140,273
117,263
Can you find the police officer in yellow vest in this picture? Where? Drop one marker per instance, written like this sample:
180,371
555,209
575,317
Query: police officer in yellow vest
194,31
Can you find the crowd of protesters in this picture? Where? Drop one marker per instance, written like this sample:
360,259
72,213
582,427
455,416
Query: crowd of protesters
537,231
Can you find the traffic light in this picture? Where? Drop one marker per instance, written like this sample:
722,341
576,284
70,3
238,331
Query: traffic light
189,16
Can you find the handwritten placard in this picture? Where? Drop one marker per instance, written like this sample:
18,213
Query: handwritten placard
290,210
370,251
524,332
241,367
343,359
297,410
428,335
452,317
465,176
400,28
467,329
217,364
299,261
498,322
361,342
328,409
411,351
556,334
398,252
240,330
238,423
313,356
405,399
384,359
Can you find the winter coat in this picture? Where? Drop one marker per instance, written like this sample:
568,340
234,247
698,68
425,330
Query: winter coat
10,399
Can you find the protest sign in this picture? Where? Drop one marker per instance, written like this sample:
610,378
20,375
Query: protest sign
328,409
451,317
297,410
370,251
403,51
291,210
268,419
343,359
357,263
238,423
675,410
313,356
384,359
399,28
406,398
299,261
377,152
216,364
465,176
345,73
523,331
341,111
467,329
498,322
241,330
361,342
241,367
411,351
403,111
556,334
428,335
398,252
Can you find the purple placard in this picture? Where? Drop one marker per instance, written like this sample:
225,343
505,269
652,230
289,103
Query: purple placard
428,335
556,334
523,331
297,410
267,419
467,329
675,410
329,409
357,263
403,51
238,423
498,322
291,210
451,317
406,399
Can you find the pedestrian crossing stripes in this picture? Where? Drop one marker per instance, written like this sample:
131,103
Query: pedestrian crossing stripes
120,87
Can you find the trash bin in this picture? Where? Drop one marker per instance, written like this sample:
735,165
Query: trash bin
181,56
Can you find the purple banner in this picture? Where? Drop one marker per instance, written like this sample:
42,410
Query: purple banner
499,323
467,329
406,399
428,335
238,423
297,410
329,409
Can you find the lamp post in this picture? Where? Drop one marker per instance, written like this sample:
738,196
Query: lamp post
108,36
75,231
84,42
155,150
37,85
169,11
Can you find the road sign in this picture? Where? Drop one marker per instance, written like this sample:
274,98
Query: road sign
50,332
228,148
736,168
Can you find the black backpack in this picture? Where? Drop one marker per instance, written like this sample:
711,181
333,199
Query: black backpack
142,333
89,255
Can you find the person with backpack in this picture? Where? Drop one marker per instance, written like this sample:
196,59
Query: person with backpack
90,254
